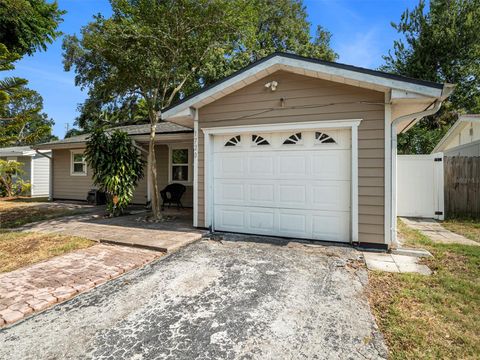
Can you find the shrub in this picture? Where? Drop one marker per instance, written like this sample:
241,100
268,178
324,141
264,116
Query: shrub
11,184
117,167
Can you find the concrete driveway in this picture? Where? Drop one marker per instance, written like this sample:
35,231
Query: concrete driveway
215,300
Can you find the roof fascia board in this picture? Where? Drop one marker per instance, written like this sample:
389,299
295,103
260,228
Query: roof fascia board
278,61
362,77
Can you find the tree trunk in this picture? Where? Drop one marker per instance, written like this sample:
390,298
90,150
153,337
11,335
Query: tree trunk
152,169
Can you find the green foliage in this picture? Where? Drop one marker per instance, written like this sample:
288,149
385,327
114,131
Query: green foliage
22,121
25,27
28,25
11,183
440,44
117,167
232,34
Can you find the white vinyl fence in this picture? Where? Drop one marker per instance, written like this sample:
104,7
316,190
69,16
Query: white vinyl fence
420,186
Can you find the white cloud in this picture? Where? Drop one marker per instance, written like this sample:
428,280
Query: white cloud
57,76
363,49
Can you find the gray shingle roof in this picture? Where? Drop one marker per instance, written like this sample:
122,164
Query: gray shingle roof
15,149
163,127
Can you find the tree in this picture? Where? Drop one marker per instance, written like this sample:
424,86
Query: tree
11,184
151,49
271,26
22,121
28,25
442,45
117,167
25,27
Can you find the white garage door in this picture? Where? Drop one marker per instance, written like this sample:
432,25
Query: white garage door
284,184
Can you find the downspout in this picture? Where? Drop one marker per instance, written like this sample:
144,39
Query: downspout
430,110
50,174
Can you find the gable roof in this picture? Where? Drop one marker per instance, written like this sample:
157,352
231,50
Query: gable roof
457,127
163,127
17,151
332,71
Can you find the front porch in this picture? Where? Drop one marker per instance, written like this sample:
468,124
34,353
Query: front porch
168,235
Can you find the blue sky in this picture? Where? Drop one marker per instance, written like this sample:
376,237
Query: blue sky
361,35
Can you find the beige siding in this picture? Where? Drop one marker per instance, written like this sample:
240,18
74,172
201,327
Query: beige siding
66,186
163,174
314,100
72,187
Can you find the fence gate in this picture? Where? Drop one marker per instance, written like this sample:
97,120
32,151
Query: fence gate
420,186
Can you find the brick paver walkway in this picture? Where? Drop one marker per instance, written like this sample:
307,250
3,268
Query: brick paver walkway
39,286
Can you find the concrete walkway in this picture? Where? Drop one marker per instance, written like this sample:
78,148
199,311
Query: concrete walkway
169,235
436,232
395,263
34,288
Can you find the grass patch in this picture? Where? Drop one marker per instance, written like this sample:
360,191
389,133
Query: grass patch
469,228
15,213
431,317
19,249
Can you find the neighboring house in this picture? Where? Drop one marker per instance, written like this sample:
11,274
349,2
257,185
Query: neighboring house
36,167
462,139
289,146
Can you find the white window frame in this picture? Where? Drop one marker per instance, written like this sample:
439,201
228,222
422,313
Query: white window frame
72,172
189,148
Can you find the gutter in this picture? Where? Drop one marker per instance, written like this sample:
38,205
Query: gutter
415,117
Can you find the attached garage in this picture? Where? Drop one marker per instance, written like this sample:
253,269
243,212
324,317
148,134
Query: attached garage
302,148
292,183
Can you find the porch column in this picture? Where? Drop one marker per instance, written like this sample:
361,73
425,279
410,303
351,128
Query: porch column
195,168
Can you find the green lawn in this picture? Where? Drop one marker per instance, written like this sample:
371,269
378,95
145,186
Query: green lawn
15,213
466,227
431,317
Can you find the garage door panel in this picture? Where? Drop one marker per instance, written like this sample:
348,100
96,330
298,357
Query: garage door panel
232,219
291,195
330,196
261,166
331,226
331,165
229,166
261,193
293,223
262,220
292,165
231,192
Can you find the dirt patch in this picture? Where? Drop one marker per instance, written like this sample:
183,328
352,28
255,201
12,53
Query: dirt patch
19,249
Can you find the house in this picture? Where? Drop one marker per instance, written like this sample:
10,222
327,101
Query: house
462,139
288,146
36,167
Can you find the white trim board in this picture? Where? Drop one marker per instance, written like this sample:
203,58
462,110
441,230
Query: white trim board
209,134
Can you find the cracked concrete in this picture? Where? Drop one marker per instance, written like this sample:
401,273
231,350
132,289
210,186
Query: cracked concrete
215,300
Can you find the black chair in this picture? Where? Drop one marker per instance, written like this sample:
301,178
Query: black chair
172,194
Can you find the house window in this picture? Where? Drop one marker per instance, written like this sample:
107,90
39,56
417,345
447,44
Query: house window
180,165
78,164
